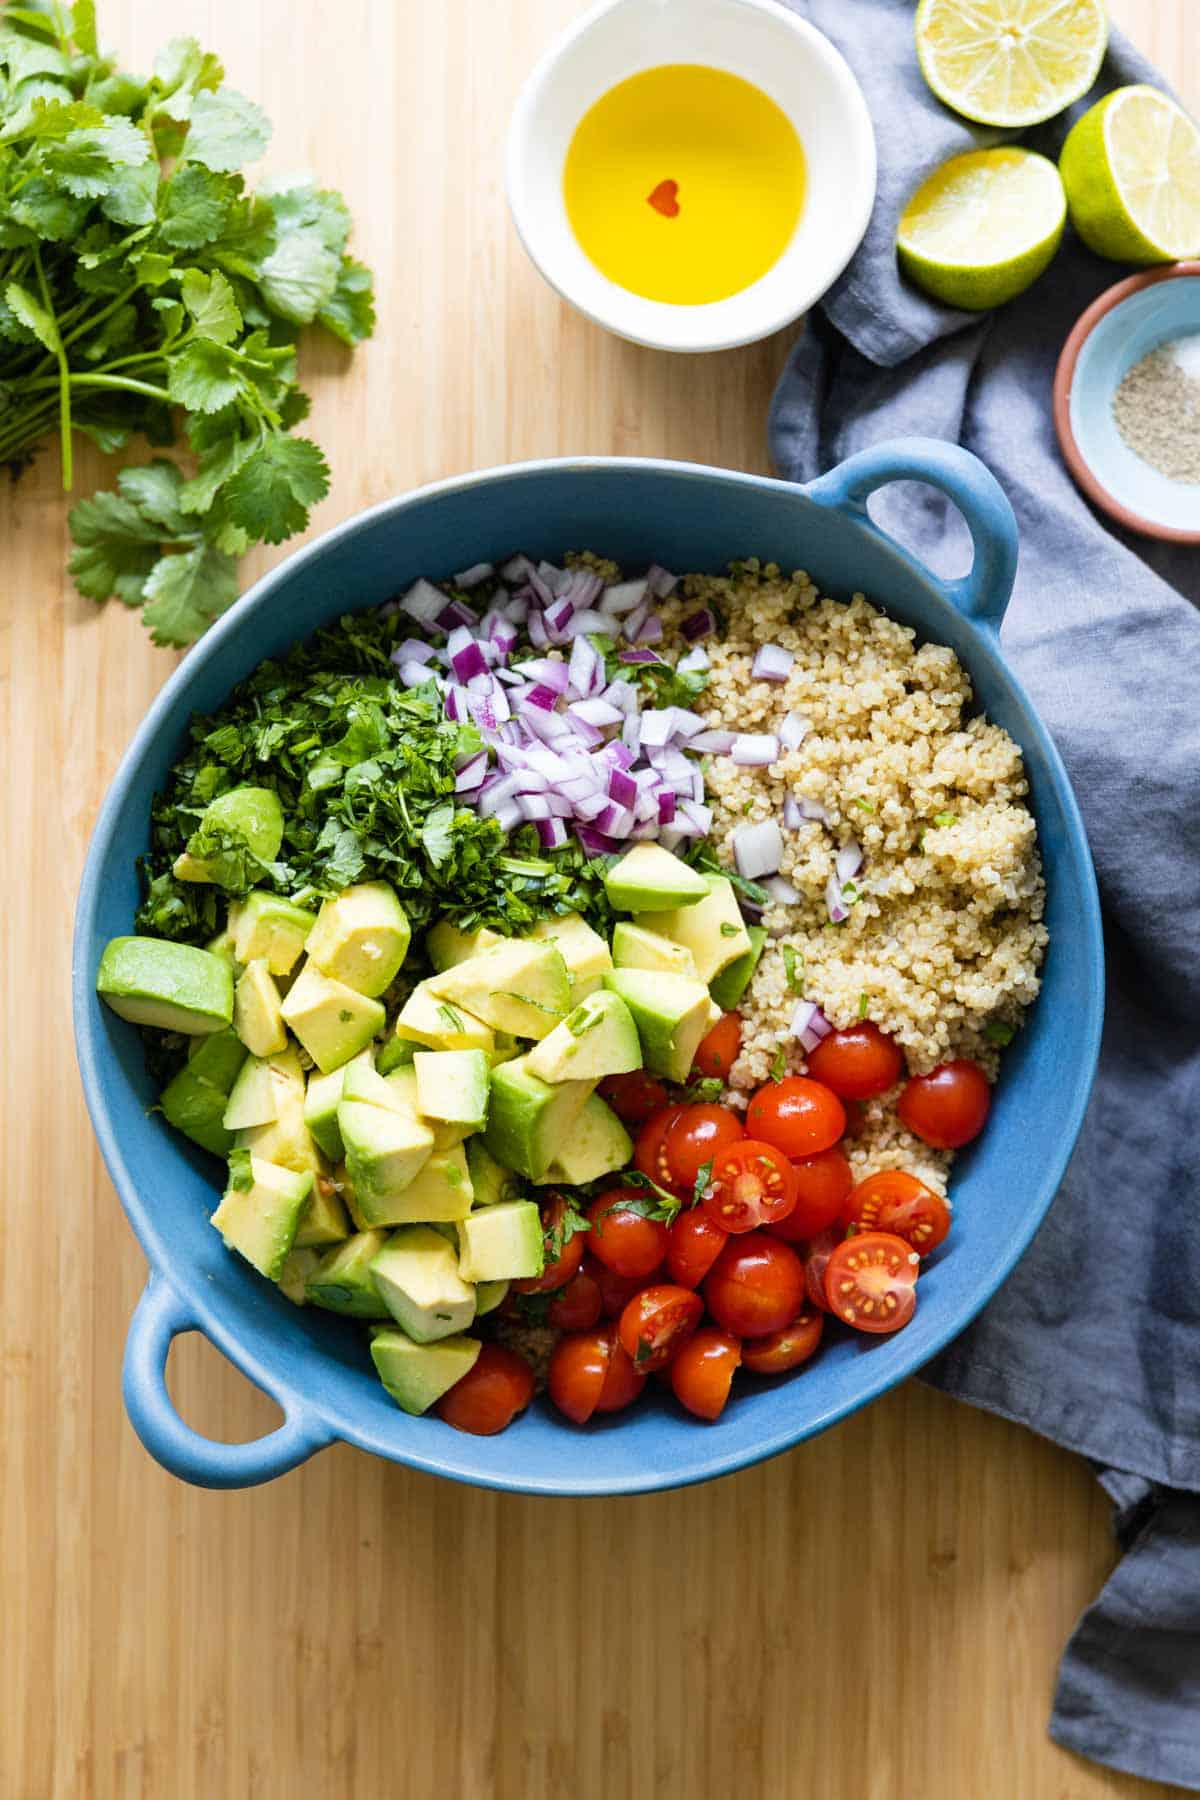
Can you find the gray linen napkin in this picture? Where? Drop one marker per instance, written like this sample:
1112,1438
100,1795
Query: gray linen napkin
1095,1339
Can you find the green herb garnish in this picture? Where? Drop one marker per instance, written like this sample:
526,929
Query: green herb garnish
728,930
701,1184
867,806
862,1005
945,818
793,968
241,1175
704,1091
997,1032
779,1065
450,1016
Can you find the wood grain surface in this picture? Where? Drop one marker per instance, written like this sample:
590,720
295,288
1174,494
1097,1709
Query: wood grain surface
875,1616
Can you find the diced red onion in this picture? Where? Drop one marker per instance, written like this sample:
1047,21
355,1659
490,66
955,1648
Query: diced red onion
585,664
496,794
758,849
697,815
540,696
665,800
781,889
483,711
594,842
469,578
508,816
714,743
550,670
412,650
550,577
533,806
471,773
423,601
688,725
849,861
582,587
638,656
835,906
595,712
617,755
698,625
660,582
633,624
558,616
623,597
536,627
657,726
589,620
552,833
454,704
466,658
793,729
516,570
548,726
415,674
457,613
621,693
810,1025
509,677
754,750
671,836
771,663
616,821
694,661
652,630
622,787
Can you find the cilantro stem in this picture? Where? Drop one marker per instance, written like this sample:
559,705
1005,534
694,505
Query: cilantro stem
64,377
89,323
124,382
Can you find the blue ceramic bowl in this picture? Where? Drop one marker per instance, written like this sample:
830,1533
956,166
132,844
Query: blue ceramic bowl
316,1367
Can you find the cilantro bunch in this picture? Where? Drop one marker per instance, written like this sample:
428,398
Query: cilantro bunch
144,289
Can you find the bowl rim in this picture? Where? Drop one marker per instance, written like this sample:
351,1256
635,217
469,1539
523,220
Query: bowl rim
1064,380
857,123
243,1351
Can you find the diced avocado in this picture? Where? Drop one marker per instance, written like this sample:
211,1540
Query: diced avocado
417,1375
427,1019
729,986
396,1053
651,878
446,945
529,1119
598,1038
584,951
324,1219
257,1018
342,1283
671,1015
520,986
222,945
401,1087
501,1243
361,938
362,1081
385,1151
195,1107
489,1295
598,1144
330,1019
293,1277
255,1095
260,1221
507,1047
252,814
321,1099
440,1191
636,948
174,987
417,1275
267,925
713,930
489,1181
217,1059
452,1086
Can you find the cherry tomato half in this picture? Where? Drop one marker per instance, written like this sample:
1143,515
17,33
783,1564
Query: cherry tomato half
871,1281
785,1349
656,1323
616,1291
698,1136
858,1062
702,1373
756,1286
634,1097
578,1367
648,1151
820,1250
752,1184
948,1107
798,1116
623,1380
718,1052
561,1255
489,1396
578,1306
895,1201
822,1183
693,1246
621,1237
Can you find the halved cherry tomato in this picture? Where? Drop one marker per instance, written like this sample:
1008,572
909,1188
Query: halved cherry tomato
656,1323
623,1381
576,1307
616,1291
648,1151
822,1183
698,1136
820,1250
718,1052
561,1255
578,1367
635,1097
893,1200
798,1116
871,1281
621,1237
693,1246
858,1062
756,1286
752,1184
948,1107
785,1349
702,1373
489,1396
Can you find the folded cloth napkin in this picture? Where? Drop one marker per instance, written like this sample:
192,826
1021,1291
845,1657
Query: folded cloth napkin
1095,1339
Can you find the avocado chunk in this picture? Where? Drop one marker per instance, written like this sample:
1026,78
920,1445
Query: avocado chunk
262,1088
396,1053
321,1100
217,1059
584,951
417,1275
501,1243
267,925
452,1086
193,1106
446,945
417,1375
520,986
713,930
252,814
260,1221
489,1295
342,1282
257,1018
401,1087
293,1277
385,1151
651,878
324,1219
361,937
671,1015
173,987
426,1019
222,945
597,1145
440,1192
598,1038
636,948
362,1081
728,987
490,1183
529,1119
330,1019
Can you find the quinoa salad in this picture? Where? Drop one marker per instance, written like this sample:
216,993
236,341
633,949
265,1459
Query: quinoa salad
588,976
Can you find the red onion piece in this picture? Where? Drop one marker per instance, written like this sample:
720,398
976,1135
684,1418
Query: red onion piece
660,582
758,849
713,743
595,712
623,597
622,787
810,1025
698,625
415,674
696,815
771,663
469,578
665,801
793,729
835,906
471,773
633,624
638,656
694,661
552,833
423,601
466,657
781,889
516,570
849,861
753,750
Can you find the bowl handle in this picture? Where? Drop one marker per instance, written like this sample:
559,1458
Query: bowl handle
159,1317
984,592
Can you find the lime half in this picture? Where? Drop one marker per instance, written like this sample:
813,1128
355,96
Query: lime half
1131,168
982,227
1011,62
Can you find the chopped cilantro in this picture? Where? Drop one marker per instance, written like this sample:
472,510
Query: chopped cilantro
644,1351
241,1176
701,1184
945,818
728,930
450,1016
997,1032
779,1065
867,806
707,1089
862,1004
793,968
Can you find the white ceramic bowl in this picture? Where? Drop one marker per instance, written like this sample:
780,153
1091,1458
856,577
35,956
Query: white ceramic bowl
765,44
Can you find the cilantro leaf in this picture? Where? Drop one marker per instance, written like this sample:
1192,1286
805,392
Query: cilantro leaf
32,315
300,276
186,592
349,313
226,130
209,299
194,207
204,377
117,548
272,490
